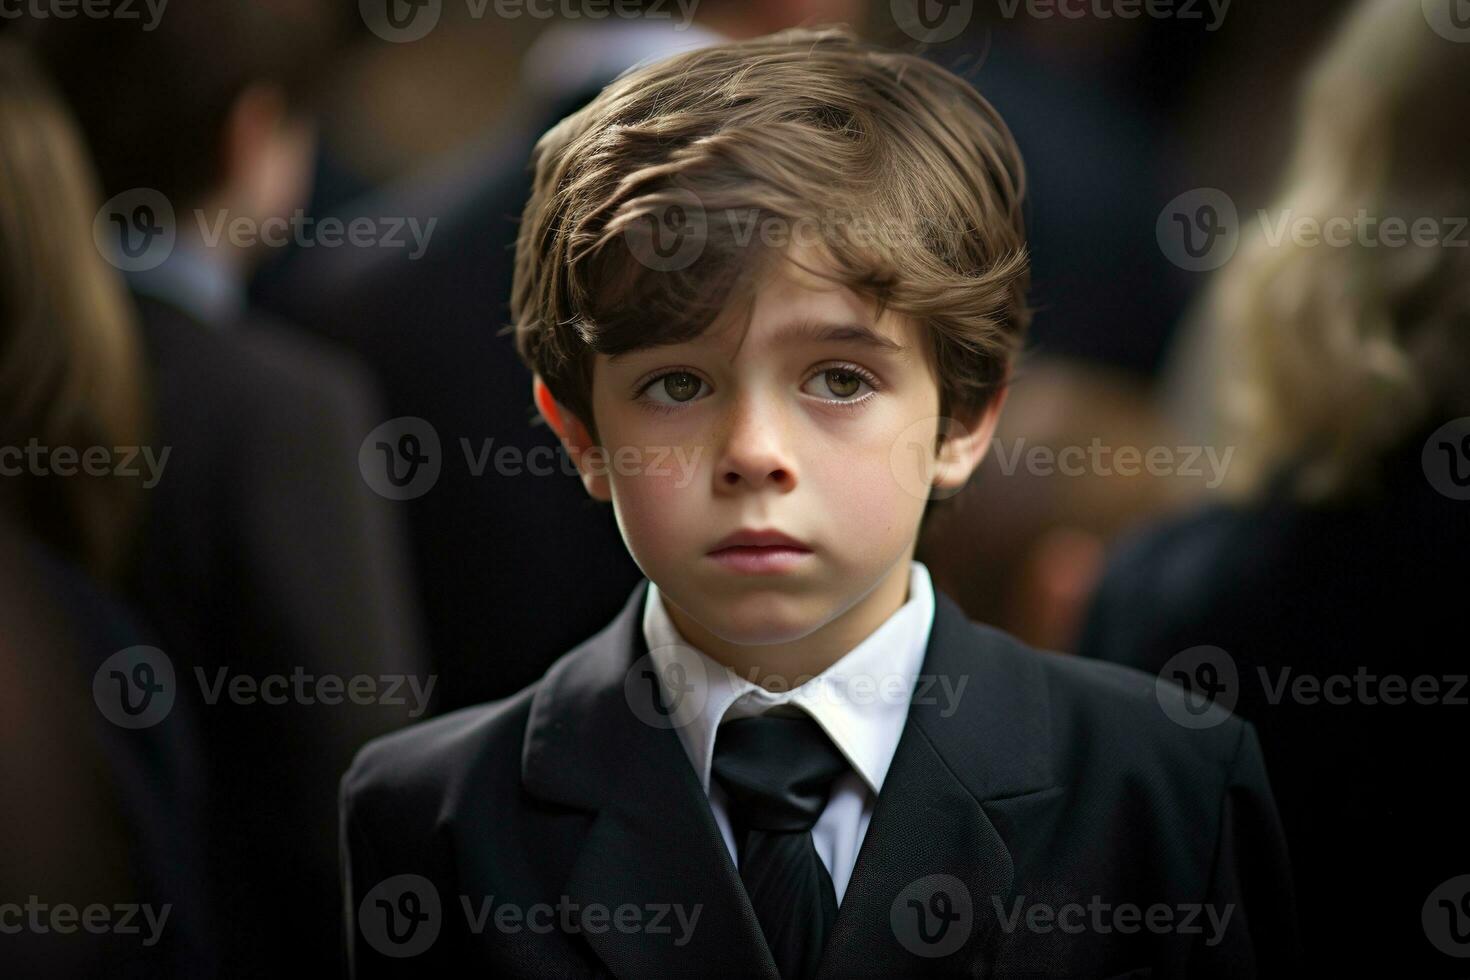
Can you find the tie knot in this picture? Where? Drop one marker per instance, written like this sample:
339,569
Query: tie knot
777,770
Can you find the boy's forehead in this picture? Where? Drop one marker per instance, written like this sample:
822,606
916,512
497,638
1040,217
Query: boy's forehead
790,305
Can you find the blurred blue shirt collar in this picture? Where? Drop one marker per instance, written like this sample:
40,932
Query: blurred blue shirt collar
573,57
193,281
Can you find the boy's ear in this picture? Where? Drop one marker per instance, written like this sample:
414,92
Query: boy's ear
589,457
967,444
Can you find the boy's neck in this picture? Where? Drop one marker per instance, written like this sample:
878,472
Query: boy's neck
782,666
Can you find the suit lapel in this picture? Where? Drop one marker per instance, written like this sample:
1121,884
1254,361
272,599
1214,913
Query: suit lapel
594,741
932,865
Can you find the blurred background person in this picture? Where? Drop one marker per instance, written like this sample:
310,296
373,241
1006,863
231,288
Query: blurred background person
1341,364
95,814
263,553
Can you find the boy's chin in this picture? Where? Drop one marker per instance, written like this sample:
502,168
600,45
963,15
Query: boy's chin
758,620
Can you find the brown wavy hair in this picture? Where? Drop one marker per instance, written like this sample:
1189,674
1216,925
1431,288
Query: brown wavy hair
906,178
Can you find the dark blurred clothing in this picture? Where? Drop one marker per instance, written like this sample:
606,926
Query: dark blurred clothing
1369,793
514,567
147,787
265,553
1098,172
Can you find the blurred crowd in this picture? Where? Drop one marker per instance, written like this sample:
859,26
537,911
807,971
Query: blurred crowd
255,266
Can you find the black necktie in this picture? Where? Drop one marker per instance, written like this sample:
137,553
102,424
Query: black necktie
778,772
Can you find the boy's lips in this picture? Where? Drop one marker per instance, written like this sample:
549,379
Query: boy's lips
760,552
760,561
759,538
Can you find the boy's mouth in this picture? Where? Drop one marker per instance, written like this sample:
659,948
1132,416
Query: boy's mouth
758,538
759,551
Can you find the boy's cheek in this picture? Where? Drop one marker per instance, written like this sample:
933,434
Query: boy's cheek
650,513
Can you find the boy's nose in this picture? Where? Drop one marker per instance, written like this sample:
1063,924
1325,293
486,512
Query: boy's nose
756,451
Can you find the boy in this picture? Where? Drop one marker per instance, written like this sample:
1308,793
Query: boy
771,292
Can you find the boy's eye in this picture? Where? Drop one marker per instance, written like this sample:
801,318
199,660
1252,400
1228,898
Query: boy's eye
681,386
841,384
838,384
673,388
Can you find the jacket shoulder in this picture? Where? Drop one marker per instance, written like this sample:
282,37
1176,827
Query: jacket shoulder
1108,712
421,768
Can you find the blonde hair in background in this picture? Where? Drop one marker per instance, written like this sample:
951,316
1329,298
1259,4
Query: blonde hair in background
1337,353
70,365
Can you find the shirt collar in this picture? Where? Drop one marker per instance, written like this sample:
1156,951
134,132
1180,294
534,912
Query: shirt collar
573,57
190,279
861,701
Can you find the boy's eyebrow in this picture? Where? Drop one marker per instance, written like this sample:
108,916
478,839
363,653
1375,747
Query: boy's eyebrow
820,332
857,333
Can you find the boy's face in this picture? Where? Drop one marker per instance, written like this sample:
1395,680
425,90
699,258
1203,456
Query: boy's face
829,441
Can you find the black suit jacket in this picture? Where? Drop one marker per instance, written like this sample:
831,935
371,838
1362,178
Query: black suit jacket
1370,788
1057,781
263,553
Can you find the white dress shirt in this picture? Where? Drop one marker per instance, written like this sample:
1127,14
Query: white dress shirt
861,702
